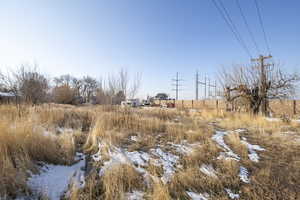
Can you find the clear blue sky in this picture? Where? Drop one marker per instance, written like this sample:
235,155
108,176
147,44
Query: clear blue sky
154,37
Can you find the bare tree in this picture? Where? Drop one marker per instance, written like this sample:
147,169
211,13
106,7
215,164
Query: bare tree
63,80
243,84
89,86
135,85
123,81
32,85
8,83
27,83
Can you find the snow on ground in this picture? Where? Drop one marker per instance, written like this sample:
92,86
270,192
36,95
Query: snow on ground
54,179
97,156
134,138
117,156
253,156
228,154
244,175
208,170
197,196
272,119
167,160
138,158
184,147
231,194
135,195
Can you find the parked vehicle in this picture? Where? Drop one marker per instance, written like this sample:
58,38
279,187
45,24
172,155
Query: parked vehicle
131,103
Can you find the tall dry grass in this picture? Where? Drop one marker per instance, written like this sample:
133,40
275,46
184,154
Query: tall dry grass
121,179
23,142
115,126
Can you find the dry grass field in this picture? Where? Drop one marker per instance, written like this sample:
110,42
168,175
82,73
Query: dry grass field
107,152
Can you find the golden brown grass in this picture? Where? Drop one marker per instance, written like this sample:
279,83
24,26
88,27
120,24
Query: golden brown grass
160,192
204,154
116,126
120,179
234,141
22,143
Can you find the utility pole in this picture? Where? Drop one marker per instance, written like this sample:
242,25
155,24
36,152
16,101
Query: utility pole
197,86
176,84
215,89
208,88
263,82
205,87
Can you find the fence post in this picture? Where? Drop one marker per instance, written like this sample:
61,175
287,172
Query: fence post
217,104
192,104
182,103
294,107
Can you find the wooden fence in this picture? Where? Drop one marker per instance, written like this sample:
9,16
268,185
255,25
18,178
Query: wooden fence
277,107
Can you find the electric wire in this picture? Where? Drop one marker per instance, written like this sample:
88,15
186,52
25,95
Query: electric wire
247,26
225,15
262,26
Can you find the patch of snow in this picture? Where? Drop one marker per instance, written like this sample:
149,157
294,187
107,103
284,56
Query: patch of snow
134,138
167,160
117,156
184,147
208,170
197,196
97,156
135,195
138,158
228,154
48,134
121,156
272,119
240,130
253,156
231,194
244,175
54,179
64,130
78,179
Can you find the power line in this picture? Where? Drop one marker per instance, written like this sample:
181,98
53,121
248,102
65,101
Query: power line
225,15
262,26
236,30
247,26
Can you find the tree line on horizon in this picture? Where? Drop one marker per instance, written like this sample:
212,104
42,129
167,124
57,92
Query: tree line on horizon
32,86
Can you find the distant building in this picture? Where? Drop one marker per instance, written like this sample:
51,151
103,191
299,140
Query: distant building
162,96
7,97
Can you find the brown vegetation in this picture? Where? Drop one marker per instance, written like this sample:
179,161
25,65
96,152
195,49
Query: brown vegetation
39,134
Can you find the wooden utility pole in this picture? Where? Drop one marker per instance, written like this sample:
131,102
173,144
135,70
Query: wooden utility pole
263,82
